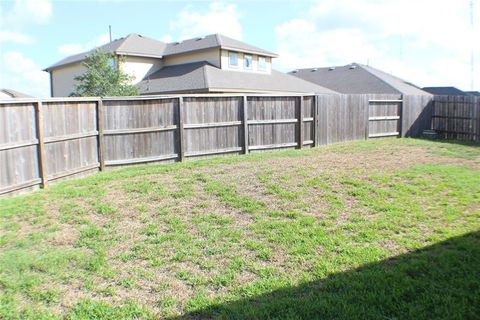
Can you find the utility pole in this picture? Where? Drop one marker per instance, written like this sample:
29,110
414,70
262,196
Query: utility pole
472,53
110,32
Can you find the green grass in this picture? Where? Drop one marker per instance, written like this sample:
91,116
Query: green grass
383,229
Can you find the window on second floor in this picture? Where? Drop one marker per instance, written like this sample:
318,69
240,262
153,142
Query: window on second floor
247,61
262,63
233,59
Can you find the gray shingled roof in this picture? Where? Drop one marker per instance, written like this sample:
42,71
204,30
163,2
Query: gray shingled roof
357,78
451,91
137,45
204,77
133,45
473,93
15,94
213,41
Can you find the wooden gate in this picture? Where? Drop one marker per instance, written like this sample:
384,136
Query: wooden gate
384,118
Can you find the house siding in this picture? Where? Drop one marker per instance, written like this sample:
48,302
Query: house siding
140,67
211,56
63,79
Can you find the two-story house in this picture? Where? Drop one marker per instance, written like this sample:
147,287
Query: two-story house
210,64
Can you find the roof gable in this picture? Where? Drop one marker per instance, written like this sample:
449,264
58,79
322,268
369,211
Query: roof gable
133,45
357,78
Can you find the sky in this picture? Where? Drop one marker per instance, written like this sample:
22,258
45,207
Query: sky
426,42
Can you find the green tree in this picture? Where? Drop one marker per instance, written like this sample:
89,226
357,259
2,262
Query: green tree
103,77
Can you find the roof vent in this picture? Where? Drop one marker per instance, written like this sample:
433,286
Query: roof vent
352,67
313,70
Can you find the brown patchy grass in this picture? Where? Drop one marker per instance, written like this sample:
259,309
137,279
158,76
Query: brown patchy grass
178,240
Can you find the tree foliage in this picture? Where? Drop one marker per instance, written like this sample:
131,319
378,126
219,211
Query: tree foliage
103,77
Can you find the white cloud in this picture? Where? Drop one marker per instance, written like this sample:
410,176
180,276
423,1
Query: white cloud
428,43
220,18
23,74
14,37
27,12
21,14
73,48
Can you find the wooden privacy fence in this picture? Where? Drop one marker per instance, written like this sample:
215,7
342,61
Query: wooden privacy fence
457,117
52,139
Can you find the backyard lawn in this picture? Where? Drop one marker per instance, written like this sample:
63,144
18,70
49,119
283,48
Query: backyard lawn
382,229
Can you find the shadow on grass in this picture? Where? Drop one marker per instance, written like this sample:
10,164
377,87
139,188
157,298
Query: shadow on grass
438,282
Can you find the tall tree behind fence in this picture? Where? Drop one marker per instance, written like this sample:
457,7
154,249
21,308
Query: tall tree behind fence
54,139
457,117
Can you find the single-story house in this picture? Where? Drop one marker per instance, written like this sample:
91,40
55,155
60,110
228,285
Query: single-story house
209,64
12,94
445,91
356,78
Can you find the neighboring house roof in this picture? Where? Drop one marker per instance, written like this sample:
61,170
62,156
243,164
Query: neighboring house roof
204,77
473,93
137,45
358,78
132,45
450,91
13,94
213,41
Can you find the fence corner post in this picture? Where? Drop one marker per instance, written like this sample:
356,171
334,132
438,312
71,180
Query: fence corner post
181,144
402,116
367,117
315,120
245,124
300,122
41,144
101,137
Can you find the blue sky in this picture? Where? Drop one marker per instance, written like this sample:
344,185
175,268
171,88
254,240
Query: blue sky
427,42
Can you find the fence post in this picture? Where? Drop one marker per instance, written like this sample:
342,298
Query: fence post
245,123
41,144
400,123
101,137
181,145
367,116
300,122
315,116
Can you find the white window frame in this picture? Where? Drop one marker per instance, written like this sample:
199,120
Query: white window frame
230,54
264,67
245,61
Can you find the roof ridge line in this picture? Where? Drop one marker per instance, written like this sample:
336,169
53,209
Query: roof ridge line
379,78
122,43
218,39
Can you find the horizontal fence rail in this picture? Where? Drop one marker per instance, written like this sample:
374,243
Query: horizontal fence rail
42,141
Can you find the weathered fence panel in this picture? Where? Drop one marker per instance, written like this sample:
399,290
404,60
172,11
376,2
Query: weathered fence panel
457,117
69,133
272,122
18,147
416,114
212,125
137,131
47,140
384,116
